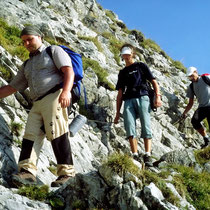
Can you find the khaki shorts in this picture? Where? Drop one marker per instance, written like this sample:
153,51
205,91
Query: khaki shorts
47,112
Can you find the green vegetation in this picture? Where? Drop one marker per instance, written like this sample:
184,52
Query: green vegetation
138,35
114,46
178,65
206,125
10,40
16,128
192,185
5,73
111,15
41,193
18,142
158,180
196,186
84,111
148,43
203,156
34,192
78,204
53,170
121,25
51,40
94,40
121,163
99,6
100,72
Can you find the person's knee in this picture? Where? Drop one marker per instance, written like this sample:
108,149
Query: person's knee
26,150
196,124
62,149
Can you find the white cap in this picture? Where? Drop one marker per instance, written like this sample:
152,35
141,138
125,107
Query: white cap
191,70
126,50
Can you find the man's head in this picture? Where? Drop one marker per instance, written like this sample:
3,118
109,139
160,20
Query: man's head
32,38
192,74
127,51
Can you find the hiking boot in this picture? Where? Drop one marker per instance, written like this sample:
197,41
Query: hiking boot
148,161
24,177
60,181
137,157
206,142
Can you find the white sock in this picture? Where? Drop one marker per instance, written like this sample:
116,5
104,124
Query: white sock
148,153
135,154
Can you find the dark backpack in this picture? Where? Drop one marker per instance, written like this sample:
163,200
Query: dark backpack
76,60
205,79
151,92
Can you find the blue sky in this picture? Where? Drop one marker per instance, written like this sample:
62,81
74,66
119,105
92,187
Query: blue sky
180,27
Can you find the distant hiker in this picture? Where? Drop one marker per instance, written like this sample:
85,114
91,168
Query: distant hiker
200,87
131,90
43,76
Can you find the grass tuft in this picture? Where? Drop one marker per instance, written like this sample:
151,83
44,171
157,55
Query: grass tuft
41,193
203,155
196,186
34,192
11,41
121,163
100,72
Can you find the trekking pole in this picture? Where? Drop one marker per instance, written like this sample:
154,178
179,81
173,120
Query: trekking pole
179,120
100,121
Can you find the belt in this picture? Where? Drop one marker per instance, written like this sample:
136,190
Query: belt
52,90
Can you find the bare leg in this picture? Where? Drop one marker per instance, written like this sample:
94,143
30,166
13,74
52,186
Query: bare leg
202,131
147,145
133,144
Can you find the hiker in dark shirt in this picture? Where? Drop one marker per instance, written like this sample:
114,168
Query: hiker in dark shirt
43,76
201,90
132,91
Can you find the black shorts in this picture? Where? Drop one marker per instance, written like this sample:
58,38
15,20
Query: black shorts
199,115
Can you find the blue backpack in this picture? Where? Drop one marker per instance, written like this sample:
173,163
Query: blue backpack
76,60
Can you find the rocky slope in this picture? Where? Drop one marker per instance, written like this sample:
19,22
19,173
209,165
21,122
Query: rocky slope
95,33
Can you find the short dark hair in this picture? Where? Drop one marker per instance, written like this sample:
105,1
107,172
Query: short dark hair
31,30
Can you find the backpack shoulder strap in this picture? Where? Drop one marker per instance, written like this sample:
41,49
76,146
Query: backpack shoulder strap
24,63
206,79
49,51
191,87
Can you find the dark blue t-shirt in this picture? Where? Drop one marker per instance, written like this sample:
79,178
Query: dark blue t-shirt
132,80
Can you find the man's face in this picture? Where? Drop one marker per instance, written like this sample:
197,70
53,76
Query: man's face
127,57
31,42
193,77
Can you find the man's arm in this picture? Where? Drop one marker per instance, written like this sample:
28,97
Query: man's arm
119,104
6,91
155,85
188,107
65,97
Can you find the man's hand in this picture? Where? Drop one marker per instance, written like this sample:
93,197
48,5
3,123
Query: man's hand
6,91
184,116
117,117
65,99
158,101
